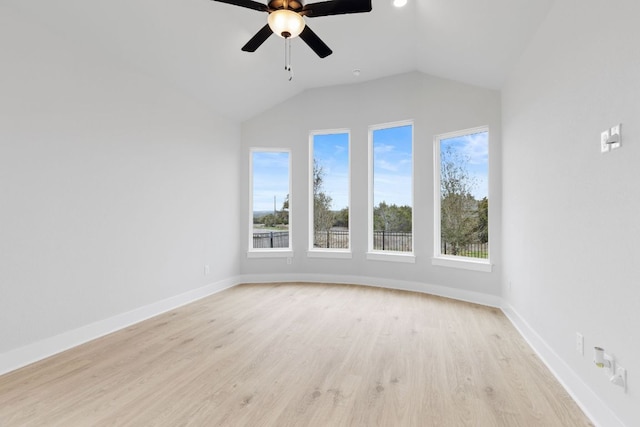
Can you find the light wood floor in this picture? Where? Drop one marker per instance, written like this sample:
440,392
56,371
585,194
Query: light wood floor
298,355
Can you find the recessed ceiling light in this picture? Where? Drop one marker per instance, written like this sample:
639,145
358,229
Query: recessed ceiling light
399,3
356,72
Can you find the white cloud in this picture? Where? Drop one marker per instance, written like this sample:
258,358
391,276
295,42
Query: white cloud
339,149
476,148
385,165
383,148
393,189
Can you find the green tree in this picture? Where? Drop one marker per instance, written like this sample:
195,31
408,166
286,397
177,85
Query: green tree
341,218
276,218
323,217
269,220
282,216
458,207
483,220
392,218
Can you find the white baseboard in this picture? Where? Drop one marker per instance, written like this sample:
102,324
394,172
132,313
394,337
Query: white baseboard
597,411
23,356
443,291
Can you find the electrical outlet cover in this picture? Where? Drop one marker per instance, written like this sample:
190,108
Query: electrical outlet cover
604,147
622,373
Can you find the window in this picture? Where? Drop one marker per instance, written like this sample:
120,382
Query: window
391,189
462,196
329,192
270,213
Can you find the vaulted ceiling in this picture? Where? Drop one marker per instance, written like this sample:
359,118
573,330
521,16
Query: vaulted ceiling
194,45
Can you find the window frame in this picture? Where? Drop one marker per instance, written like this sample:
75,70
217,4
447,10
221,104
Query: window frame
379,255
269,252
456,261
313,252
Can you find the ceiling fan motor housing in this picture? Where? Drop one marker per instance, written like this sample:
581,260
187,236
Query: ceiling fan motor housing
294,5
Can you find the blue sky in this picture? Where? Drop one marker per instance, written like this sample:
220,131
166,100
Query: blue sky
270,178
331,152
392,166
475,147
392,156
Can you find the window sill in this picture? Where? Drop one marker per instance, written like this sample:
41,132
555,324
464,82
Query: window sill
270,253
318,253
463,263
392,257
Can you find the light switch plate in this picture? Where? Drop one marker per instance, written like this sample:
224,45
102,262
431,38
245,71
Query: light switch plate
616,131
604,136
580,343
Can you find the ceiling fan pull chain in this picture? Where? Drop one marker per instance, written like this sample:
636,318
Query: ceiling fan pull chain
287,57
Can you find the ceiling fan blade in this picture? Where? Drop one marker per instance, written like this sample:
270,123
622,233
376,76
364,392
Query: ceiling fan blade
336,7
258,39
314,42
249,4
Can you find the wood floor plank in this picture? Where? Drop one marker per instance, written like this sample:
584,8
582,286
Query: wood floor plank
298,354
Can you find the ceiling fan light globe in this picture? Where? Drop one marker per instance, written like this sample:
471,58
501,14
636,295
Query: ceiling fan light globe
286,23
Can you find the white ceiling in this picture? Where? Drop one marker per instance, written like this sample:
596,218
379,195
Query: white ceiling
195,44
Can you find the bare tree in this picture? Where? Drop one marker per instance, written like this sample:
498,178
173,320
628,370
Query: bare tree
323,217
458,207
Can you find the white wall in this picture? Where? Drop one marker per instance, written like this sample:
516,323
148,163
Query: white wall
437,106
115,190
571,215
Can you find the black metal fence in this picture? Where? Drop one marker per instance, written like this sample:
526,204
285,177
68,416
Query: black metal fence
382,241
473,250
271,239
331,239
392,241
337,239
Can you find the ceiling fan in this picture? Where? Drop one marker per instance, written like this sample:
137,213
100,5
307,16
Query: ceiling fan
286,19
